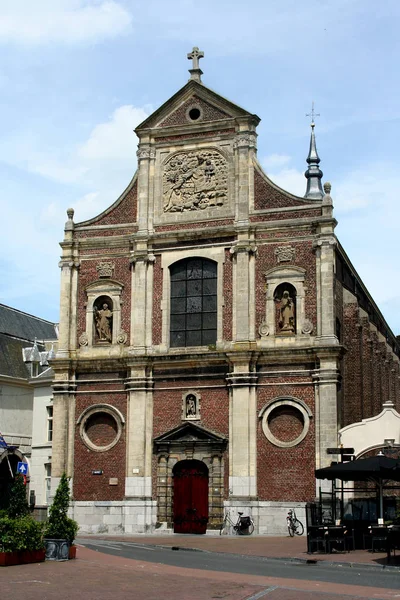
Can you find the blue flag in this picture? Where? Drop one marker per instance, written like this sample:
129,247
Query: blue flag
3,443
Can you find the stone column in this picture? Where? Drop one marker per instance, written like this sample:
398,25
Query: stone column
242,427
139,432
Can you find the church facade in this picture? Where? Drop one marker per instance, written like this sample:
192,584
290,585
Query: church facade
214,337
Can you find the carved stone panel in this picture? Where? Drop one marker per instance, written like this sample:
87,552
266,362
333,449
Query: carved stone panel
195,181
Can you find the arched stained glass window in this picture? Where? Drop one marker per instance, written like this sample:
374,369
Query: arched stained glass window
193,303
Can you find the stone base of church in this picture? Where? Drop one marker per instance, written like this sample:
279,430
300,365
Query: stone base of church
140,516
269,517
126,516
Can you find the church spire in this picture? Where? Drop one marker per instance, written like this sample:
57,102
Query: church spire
313,173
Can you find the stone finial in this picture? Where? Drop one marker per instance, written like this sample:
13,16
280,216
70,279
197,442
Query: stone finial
327,188
195,71
70,223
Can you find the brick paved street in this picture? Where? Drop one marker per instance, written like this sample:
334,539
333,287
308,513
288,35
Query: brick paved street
97,576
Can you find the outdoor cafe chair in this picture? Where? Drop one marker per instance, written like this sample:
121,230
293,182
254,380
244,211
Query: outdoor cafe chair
377,536
335,538
316,538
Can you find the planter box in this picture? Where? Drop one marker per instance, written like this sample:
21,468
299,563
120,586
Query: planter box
56,549
21,557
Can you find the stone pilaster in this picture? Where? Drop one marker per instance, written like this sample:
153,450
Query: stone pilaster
64,425
142,295
326,422
245,151
244,252
139,433
325,257
145,156
69,265
242,427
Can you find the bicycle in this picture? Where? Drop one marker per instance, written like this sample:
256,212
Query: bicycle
294,525
243,525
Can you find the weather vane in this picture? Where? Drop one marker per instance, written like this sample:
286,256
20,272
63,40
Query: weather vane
312,114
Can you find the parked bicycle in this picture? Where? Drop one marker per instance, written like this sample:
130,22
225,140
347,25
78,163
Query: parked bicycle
295,527
243,525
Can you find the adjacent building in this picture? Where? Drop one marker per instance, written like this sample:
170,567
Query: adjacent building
27,343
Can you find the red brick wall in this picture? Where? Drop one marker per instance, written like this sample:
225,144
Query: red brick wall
305,258
167,412
122,211
88,274
266,195
369,368
91,487
209,113
286,474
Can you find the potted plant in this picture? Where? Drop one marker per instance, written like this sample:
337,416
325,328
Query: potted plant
60,530
21,537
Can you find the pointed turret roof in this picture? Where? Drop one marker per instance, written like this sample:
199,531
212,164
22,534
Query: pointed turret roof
313,174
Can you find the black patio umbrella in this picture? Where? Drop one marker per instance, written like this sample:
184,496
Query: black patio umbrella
377,469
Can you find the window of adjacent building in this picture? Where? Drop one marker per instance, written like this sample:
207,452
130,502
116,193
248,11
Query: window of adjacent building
49,423
47,481
193,303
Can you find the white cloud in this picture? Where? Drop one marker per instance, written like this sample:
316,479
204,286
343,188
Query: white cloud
288,178
275,161
114,140
61,21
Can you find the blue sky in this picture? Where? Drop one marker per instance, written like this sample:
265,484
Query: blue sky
76,77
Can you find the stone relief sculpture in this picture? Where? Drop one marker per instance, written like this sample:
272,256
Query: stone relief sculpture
286,313
103,322
195,181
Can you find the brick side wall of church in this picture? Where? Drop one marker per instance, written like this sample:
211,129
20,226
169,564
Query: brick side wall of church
286,474
370,370
89,487
88,274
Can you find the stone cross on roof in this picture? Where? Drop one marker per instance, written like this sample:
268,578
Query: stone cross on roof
195,71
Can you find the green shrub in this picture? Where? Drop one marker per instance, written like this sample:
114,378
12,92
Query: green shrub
21,533
59,525
18,506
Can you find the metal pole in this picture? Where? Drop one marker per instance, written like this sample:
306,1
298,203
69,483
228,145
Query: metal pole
9,466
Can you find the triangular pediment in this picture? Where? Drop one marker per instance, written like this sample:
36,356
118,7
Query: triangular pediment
190,432
175,111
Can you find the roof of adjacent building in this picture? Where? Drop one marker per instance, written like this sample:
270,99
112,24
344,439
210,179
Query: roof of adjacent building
18,330
21,325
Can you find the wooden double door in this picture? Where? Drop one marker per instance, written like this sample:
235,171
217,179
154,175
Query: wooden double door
190,480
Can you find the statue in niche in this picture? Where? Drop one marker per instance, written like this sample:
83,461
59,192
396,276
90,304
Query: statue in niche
190,405
286,313
103,323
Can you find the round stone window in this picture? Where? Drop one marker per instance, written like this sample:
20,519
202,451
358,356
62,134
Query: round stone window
285,421
193,113
101,427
